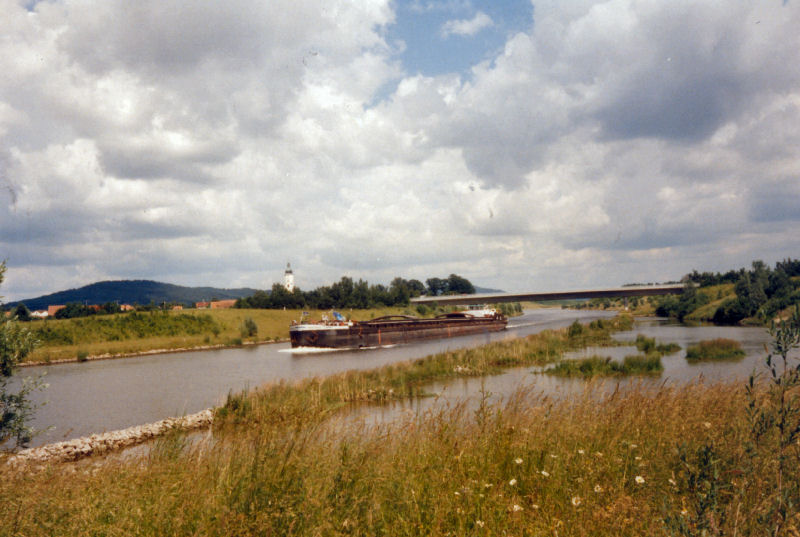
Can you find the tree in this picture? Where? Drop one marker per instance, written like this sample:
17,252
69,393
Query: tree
416,287
436,286
16,409
21,312
456,285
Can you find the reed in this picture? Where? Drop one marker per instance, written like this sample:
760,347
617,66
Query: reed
634,461
599,463
648,345
604,366
714,349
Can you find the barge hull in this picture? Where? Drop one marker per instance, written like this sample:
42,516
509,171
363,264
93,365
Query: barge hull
366,334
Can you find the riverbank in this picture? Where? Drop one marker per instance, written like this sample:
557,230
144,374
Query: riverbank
142,334
115,336
107,442
406,379
108,356
601,461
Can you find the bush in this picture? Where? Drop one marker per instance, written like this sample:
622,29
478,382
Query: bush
249,328
575,330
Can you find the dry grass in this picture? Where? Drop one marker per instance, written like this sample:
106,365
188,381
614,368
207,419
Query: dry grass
591,465
606,462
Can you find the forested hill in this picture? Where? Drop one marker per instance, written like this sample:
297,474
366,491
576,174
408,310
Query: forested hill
134,292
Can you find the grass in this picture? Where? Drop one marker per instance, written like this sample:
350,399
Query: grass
632,462
598,366
714,349
716,295
132,333
590,465
647,364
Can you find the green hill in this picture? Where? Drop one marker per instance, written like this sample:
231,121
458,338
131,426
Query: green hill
133,292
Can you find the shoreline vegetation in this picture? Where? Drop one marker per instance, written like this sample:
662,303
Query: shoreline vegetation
123,335
648,363
714,349
404,380
647,460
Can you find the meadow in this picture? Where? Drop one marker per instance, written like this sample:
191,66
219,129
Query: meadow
689,460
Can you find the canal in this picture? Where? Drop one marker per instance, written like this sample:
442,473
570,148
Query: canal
104,395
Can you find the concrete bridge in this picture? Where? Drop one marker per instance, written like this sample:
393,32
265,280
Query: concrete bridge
494,298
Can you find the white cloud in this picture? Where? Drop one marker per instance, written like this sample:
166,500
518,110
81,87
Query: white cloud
466,27
208,144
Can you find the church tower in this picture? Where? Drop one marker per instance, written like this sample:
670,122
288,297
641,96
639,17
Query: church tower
288,278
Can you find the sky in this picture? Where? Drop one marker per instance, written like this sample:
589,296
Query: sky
527,146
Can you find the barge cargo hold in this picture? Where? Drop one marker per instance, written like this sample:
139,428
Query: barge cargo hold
393,329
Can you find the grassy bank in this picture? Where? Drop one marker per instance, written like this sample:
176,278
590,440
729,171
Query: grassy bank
639,462
590,465
131,333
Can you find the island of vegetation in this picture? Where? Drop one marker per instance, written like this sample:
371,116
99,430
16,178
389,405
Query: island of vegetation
715,349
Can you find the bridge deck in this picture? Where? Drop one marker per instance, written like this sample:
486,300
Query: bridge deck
493,298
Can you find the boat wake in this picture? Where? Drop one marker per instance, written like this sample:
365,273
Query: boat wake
309,350
317,350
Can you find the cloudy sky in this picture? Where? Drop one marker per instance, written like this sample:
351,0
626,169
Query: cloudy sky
526,146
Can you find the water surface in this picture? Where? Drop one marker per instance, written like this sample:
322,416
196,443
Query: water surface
96,396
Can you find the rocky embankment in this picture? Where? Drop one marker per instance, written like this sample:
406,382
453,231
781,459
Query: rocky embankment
97,444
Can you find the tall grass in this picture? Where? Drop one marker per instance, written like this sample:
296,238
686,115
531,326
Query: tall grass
648,345
714,349
641,461
591,465
597,366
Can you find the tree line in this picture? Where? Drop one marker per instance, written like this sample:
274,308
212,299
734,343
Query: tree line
760,292
347,293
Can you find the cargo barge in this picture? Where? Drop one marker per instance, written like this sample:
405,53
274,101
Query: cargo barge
393,329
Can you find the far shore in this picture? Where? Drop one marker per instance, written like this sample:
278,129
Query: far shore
109,356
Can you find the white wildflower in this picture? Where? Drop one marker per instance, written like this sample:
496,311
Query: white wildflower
639,480
518,460
512,482
576,501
